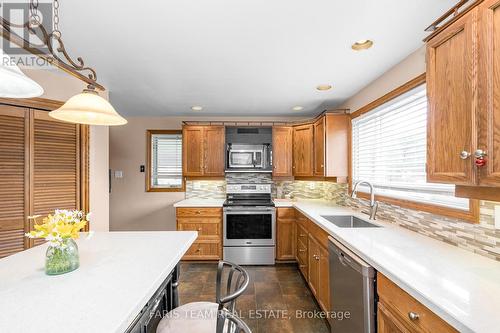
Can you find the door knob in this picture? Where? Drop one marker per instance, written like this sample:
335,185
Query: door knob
465,155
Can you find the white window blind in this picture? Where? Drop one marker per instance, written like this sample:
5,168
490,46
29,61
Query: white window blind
166,160
389,147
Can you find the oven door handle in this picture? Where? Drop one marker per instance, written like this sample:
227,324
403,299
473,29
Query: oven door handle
253,210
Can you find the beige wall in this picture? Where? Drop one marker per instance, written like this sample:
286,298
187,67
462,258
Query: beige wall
61,86
131,207
411,67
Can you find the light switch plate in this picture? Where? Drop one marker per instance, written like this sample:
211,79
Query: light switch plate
118,174
497,217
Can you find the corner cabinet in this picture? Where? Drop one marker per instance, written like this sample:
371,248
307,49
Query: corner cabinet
463,88
321,148
203,152
303,149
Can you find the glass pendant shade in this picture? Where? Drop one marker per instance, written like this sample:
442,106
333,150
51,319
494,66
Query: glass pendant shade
90,109
14,83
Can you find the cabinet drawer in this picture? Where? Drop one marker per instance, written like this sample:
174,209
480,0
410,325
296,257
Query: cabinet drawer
286,213
201,211
403,305
204,229
301,235
204,250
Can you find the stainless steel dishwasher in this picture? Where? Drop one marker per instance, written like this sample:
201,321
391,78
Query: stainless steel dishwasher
352,291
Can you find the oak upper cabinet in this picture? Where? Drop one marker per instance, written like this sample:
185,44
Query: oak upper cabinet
214,150
303,150
282,151
451,84
319,147
463,85
489,91
203,151
285,239
331,133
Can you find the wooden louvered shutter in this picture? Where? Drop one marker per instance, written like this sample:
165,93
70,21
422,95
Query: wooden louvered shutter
55,165
14,133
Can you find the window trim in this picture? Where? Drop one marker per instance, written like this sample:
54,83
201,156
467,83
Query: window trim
472,215
149,188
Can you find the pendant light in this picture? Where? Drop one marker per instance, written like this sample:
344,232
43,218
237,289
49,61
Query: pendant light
14,83
88,108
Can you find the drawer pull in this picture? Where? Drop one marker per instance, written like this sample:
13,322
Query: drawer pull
413,316
302,250
198,249
198,212
302,266
302,235
316,257
199,229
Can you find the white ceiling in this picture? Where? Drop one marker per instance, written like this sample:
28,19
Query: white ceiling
240,57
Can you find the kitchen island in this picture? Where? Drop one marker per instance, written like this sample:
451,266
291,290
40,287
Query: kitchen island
119,274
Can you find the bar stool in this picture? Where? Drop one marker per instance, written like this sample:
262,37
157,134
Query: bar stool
208,317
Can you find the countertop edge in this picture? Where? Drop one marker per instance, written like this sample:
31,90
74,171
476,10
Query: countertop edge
126,324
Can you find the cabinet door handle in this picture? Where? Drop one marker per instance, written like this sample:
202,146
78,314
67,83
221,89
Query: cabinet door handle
464,155
199,229
480,153
198,212
413,316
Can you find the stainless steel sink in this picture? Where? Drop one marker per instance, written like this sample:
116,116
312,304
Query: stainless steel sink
348,221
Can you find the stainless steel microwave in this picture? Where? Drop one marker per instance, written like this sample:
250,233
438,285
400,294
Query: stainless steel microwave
247,156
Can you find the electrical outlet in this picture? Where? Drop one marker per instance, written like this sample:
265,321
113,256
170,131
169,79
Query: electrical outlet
497,217
142,168
118,174
312,185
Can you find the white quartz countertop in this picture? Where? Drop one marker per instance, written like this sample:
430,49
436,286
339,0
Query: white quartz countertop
119,272
194,202
461,287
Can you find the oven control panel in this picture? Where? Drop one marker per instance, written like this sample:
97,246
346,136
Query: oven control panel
248,188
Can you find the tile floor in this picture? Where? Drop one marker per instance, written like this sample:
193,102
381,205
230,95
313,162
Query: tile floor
280,288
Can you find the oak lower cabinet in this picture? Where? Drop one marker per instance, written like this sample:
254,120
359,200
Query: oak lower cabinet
313,260
203,151
398,312
463,88
282,151
208,223
285,234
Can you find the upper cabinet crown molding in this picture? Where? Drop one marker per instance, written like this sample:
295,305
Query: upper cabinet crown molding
463,84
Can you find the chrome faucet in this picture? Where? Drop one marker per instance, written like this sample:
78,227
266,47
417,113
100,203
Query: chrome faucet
373,203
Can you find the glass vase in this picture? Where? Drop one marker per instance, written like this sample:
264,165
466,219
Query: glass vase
64,259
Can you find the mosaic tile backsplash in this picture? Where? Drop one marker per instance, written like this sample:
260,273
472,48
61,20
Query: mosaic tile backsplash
480,238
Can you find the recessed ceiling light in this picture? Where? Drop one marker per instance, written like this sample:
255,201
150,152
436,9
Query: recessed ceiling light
323,87
362,44
197,108
298,108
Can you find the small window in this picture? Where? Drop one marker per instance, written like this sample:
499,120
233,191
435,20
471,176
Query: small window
164,172
389,145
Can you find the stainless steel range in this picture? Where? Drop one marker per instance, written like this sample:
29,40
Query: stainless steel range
249,225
